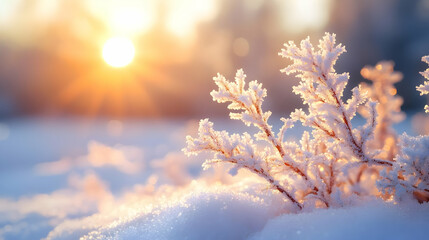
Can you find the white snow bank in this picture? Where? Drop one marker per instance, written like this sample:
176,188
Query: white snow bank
370,221
222,213
203,214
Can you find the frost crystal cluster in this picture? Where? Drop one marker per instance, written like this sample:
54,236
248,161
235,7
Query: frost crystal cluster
424,88
336,161
389,106
410,172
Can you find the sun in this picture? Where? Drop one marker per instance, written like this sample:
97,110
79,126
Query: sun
118,52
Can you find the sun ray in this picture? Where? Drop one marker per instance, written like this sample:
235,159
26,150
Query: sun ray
96,100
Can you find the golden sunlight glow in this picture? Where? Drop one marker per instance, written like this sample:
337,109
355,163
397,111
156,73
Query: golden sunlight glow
301,15
129,20
118,52
184,15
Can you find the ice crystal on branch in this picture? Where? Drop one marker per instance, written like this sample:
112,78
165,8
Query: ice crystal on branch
421,121
321,88
240,150
323,168
389,105
410,173
424,88
248,100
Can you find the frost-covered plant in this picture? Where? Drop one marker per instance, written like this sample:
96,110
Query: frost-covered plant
410,172
389,112
389,106
424,88
420,120
321,88
317,170
241,150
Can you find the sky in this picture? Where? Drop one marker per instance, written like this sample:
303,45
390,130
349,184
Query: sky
53,60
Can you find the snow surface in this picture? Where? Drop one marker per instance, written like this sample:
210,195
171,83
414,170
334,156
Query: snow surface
224,215
202,215
375,220
69,179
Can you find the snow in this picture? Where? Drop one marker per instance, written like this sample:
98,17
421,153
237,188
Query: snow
225,215
203,215
220,213
374,220
161,194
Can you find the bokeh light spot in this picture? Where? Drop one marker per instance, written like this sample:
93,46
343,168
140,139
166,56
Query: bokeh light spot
240,47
